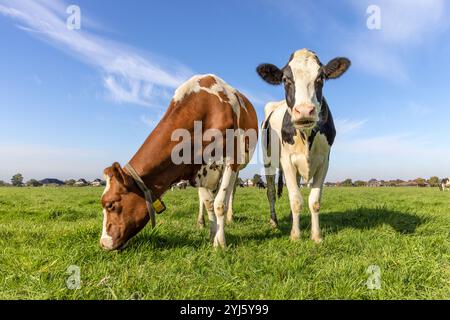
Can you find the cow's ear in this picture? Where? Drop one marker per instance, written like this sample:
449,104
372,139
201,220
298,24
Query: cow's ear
336,68
117,172
270,73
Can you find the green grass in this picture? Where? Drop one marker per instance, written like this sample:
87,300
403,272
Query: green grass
404,231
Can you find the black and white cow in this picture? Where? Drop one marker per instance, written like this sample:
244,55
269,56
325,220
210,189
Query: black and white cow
445,184
302,126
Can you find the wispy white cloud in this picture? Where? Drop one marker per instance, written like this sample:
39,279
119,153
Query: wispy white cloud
405,24
128,76
408,22
419,110
258,98
347,126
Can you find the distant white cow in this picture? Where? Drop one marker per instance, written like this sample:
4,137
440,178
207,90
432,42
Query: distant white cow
445,184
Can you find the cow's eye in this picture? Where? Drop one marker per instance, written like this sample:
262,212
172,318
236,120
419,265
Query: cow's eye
109,206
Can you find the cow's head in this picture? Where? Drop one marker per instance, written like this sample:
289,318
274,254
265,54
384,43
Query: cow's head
303,78
124,209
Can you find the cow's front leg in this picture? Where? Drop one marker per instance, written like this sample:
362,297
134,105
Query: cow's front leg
200,218
314,207
221,202
314,202
295,197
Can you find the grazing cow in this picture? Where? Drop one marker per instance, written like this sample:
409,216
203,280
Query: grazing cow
445,184
204,105
302,127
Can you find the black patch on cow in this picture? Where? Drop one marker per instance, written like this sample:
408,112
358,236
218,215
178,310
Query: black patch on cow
205,172
325,125
289,86
267,129
287,129
336,67
270,73
318,85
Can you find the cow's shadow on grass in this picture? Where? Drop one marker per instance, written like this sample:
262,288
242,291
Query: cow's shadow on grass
361,219
330,222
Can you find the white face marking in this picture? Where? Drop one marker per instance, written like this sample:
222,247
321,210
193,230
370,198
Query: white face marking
305,70
105,240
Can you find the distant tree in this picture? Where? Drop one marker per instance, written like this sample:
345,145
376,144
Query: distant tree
34,183
420,181
434,181
392,183
2,183
17,180
360,183
69,182
347,183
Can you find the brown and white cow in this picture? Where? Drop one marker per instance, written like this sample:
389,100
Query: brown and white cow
220,109
302,127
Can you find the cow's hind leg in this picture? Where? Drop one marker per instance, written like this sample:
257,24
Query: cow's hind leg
200,218
314,202
221,202
208,201
271,196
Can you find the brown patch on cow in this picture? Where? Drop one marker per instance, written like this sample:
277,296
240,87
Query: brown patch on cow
207,82
223,96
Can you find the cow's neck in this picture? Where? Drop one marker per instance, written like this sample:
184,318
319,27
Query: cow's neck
153,162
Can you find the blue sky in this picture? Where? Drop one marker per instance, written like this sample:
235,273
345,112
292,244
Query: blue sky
74,101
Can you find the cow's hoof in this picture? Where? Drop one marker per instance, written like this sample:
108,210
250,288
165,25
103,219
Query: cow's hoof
295,236
201,224
229,220
317,239
219,243
273,223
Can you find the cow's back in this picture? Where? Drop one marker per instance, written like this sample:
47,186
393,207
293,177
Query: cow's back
209,99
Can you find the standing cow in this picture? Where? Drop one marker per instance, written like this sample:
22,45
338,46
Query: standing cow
203,105
445,184
302,127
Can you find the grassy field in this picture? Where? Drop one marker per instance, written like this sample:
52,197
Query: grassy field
403,231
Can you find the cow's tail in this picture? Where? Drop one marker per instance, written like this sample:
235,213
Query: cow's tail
280,183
